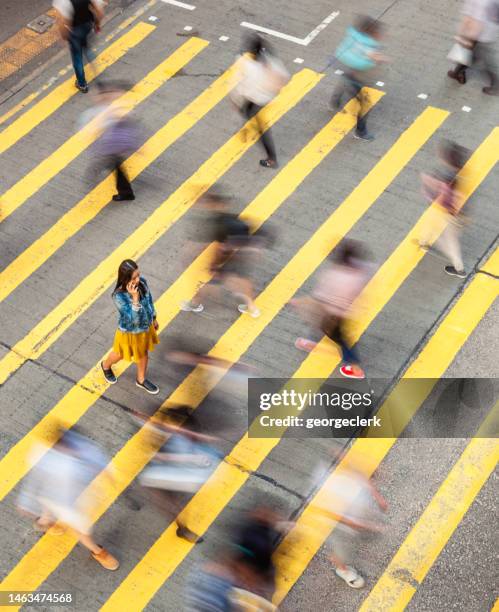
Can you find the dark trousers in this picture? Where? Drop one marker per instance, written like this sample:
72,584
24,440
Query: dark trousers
123,185
352,86
334,328
483,53
78,45
249,110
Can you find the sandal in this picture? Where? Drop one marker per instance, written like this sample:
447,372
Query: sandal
351,577
50,528
302,344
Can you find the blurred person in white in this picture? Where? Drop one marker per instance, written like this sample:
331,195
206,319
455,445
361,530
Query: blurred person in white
478,31
355,504
330,308
52,492
260,76
184,462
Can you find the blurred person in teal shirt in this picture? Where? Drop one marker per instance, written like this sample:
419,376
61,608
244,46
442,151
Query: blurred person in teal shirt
358,53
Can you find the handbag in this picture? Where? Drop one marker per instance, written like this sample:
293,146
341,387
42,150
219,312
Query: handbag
460,55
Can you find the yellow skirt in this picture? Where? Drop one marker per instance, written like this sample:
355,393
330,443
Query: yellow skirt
132,347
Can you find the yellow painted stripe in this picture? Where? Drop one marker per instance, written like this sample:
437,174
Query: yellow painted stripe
294,554
61,94
436,525
89,206
150,573
15,109
496,606
35,179
32,96
93,286
137,452
14,464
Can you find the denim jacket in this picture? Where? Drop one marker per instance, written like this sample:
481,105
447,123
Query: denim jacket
134,319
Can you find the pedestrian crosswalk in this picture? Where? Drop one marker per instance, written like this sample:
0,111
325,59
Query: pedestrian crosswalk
293,554
34,180
65,91
157,564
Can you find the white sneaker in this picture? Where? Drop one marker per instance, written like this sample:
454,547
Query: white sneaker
351,577
188,306
244,310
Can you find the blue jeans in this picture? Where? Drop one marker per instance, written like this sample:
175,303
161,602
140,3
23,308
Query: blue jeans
78,45
334,328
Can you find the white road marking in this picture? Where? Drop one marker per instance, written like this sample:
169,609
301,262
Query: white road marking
320,27
466,109
299,41
223,38
183,5
153,18
298,60
188,28
422,96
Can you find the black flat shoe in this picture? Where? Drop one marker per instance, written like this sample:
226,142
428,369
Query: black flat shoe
108,374
148,386
119,197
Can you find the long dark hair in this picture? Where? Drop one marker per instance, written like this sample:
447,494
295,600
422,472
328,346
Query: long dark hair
257,46
125,272
348,253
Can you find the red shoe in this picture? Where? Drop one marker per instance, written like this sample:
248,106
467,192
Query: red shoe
352,371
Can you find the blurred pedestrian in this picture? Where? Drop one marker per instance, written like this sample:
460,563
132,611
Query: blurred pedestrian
115,134
352,501
54,491
229,378
184,462
477,34
260,77
444,188
330,307
224,586
137,325
76,19
255,541
358,53
233,257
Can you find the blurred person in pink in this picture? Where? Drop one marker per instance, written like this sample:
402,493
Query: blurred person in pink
330,307
444,187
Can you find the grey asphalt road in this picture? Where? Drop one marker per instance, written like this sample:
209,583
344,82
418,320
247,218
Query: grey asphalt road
418,37
17,13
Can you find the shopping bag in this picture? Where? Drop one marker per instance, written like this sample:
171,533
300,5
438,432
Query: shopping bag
460,55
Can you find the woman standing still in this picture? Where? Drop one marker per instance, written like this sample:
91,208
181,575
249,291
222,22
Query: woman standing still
136,334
